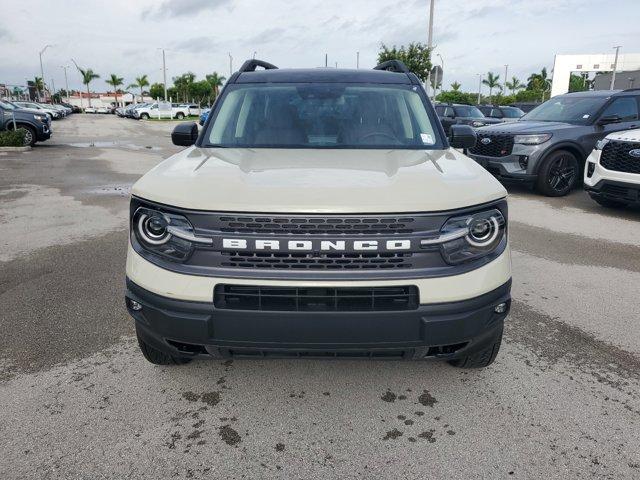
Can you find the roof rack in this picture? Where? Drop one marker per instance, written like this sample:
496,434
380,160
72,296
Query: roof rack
630,90
250,66
392,66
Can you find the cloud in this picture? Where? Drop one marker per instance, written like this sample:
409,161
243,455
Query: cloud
267,36
196,45
183,8
4,33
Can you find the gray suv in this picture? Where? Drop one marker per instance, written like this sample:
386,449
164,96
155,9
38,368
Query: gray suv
548,146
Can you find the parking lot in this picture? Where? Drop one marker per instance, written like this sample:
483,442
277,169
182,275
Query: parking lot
79,400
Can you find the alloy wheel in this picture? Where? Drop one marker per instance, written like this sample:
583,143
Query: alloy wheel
562,173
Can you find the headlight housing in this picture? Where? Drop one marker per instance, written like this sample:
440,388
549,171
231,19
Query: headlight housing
40,118
601,143
536,139
477,123
473,236
162,233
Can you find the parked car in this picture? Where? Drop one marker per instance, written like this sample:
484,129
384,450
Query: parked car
321,213
36,122
548,146
152,110
192,108
612,170
63,111
90,110
203,116
506,114
455,114
53,114
74,108
526,107
103,109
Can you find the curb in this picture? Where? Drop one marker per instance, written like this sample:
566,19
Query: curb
15,149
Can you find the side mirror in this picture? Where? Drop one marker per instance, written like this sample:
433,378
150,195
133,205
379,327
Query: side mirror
462,136
607,119
185,134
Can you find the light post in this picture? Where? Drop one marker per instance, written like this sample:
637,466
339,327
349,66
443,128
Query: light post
66,82
164,74
479,87
430,42
53,87
230,65
506,70
42,69
441,76
357,59
615,67
254,54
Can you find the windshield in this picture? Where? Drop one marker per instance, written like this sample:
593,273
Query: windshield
7,105
323,115
567,109
511,112
468,111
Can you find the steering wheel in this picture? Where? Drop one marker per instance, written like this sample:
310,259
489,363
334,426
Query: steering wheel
379,134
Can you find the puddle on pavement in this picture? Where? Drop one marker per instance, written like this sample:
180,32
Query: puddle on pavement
109,190
129,146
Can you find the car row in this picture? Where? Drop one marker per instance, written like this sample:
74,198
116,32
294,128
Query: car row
149,110
480,116
53,111
36,122
547,148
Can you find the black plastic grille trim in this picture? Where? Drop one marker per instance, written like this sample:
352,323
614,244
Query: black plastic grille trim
615,156
297,225
315,299
500,145
316,261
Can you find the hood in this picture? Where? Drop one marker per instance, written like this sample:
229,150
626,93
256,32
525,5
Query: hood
318,181
485,120
526,126
626,135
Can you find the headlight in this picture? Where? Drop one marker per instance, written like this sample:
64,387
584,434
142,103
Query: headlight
472,236
40,118
601,143
477,123
532,139
165,234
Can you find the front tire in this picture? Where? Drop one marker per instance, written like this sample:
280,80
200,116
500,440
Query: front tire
558,174
480,359
29,136
155,356
144,116
179,115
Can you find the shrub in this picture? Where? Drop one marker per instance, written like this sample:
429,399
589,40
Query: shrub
12,138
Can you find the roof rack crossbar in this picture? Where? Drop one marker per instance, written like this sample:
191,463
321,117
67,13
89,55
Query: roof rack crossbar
251,65
392,66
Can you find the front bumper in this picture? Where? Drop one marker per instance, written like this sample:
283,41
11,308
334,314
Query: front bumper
443,330
507,168
610,184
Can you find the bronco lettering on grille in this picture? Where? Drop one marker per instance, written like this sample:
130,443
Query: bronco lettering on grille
316,245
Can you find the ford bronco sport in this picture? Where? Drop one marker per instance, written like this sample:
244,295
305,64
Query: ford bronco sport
319,213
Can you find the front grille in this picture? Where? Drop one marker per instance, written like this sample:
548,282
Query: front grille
315,299
315,225
316,261
615,156
499,146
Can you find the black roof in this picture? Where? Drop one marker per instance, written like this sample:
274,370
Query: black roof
323,75
594,93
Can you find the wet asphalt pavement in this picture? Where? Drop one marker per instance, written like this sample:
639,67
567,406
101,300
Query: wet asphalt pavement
79,401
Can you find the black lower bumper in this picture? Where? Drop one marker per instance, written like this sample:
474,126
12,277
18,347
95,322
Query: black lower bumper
618,191
445,330
498,170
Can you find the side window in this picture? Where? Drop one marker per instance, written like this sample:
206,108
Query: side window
448,112
496,113
440,110
624,107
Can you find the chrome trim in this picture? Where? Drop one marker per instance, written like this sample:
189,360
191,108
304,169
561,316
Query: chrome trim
447,237
190,237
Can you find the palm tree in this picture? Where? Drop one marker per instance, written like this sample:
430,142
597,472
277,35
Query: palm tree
87,76
216,81
455,86
39,84
140,83
492,81
514,85
115,81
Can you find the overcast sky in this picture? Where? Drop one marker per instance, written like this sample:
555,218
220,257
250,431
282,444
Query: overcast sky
473,36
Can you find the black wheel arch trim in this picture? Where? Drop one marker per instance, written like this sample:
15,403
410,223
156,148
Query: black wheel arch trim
572,147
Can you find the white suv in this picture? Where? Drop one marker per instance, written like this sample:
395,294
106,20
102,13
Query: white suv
612,171
320,213
152,111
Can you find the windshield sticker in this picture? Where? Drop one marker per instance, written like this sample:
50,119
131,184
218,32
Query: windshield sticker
586,115
427,138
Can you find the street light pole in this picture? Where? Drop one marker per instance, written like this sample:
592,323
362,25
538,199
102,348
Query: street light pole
506,72
357,59
479,86
164,74
42,69
615,67
430,42
66,81
230,65
441,76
